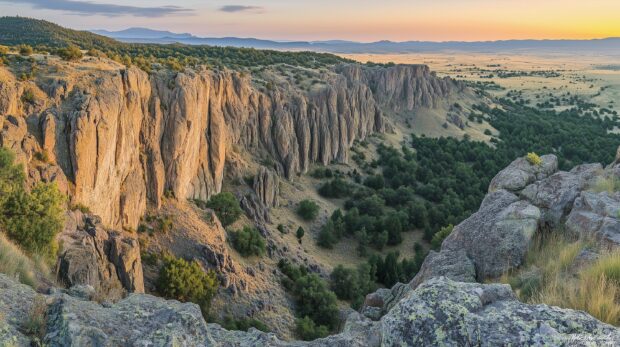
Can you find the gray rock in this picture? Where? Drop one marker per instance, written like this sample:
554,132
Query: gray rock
555,194
454,265
380,302
521,173
255,209
496,237
446,313
596,214
16,301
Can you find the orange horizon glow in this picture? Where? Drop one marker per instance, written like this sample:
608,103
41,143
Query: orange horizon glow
360,20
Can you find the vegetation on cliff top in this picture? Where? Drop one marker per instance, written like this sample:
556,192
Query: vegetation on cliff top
47,36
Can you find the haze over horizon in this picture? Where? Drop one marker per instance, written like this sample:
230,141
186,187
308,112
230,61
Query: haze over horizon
356,20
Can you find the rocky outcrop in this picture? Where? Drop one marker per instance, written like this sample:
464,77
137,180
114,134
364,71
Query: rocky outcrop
520,173
445,313
598,215
439,312
404,87
556,194
106,260
455,265
503,221
522,199
267,187
122,138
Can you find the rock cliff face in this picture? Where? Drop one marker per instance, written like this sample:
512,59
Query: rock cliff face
122,138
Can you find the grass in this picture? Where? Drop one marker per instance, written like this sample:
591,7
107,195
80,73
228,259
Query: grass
34,325
15,263
606,184
596,290
548,277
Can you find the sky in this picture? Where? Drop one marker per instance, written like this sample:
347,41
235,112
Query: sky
359,20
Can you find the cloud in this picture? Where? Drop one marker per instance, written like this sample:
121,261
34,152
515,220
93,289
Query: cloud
90,8
240,8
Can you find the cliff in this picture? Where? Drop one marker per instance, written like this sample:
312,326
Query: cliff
117,139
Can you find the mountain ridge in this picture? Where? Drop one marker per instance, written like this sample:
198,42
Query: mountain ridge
146,35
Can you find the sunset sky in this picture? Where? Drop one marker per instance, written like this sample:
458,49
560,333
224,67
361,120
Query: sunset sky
360,20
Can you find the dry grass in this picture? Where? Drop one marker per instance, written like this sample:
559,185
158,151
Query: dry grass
606,184
15,263
596,290
35,324
549,277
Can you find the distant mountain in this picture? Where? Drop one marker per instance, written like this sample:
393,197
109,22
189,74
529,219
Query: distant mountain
142,33
600,46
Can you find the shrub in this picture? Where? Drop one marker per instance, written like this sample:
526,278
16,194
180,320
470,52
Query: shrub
70,53
33,219
534,159
243,324
344,282
226,208
28,97
440,236
312,297
96,53
248,242
300,233
165,223
4,50
308,210
81,207
187,282
42,156
327,238
307,330
25,50
375,182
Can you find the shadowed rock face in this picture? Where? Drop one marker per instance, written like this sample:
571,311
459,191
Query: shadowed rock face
122,137
106,260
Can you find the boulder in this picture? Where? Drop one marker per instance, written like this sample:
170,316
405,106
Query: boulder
453,265
596,214
16,302
520,173
138,320
378,303
442,312
497,237
555,194
109,261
